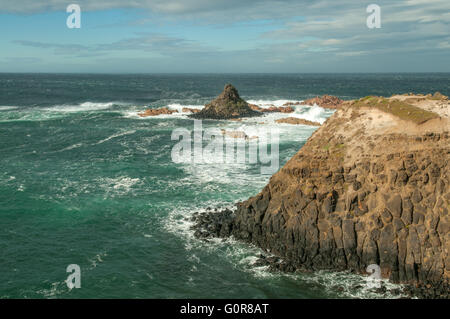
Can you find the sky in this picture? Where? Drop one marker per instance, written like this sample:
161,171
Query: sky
224,36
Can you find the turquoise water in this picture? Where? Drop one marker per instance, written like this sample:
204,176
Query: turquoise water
84,180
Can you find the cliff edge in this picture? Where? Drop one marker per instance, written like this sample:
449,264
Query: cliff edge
370,186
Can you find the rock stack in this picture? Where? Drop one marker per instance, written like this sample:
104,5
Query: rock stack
228,105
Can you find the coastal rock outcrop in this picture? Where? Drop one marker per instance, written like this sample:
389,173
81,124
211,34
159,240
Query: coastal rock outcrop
272,109
155,112
227,105
297,121
189,110
370,186
326,101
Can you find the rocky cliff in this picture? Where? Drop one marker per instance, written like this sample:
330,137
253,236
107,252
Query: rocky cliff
370,186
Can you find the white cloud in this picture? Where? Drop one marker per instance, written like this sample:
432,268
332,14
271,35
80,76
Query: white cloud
308,32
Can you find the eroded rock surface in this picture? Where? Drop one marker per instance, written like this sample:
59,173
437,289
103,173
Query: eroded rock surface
189,110
326,101
367,188
297,121
272,109
155,112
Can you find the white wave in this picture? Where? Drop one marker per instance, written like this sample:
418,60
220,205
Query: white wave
68,148
115,135
7,108
118,186
212,171
125,183
179,107
83,107
353,285
311,113
55,111
243,257
30,115
269,103
131,114
57,288
94,261
175,106
314,113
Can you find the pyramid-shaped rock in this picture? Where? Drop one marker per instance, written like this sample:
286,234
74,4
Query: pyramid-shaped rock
227,105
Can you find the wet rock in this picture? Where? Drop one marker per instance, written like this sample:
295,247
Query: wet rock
272,109
189,110
326,101
155,112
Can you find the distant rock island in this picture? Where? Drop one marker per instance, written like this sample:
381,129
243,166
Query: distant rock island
370,186
228,105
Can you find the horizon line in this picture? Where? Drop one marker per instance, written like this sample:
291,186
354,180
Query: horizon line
224,73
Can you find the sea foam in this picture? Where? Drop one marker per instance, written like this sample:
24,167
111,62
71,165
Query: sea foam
83,107
7,108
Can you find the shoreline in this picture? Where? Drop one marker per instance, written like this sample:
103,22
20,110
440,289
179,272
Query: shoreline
368,187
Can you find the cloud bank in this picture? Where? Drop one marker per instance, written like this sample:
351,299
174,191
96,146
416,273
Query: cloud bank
306,35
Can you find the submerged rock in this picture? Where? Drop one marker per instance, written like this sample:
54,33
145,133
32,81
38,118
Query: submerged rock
227,105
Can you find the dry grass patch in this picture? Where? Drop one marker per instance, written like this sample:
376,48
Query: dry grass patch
398,108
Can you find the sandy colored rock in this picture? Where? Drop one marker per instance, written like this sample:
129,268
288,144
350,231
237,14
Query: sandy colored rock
189,110
437,103
326,101
155,112
297,121
272,109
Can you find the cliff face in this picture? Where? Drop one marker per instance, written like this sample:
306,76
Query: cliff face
368,187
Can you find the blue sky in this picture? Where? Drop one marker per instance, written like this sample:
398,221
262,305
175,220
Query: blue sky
209,36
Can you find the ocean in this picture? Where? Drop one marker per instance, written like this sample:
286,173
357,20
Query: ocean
84,180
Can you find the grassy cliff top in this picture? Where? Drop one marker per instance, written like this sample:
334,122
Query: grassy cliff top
396,107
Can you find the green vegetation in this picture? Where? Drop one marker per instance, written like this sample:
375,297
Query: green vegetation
398,108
